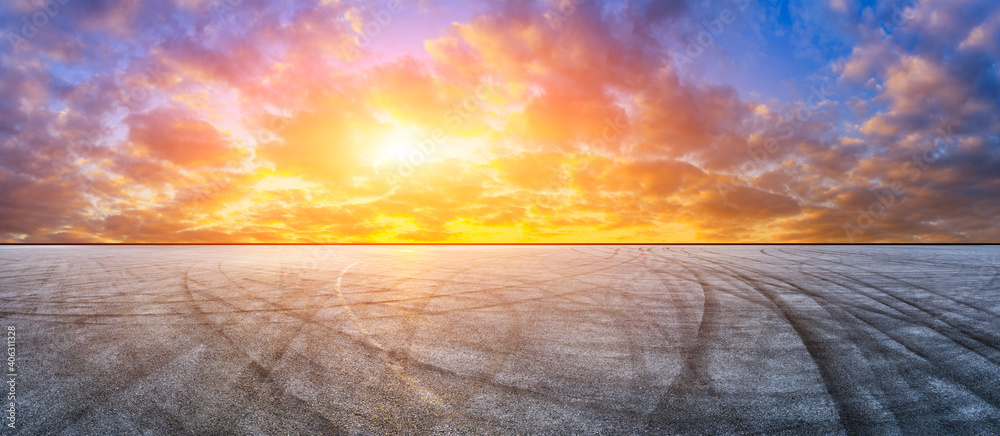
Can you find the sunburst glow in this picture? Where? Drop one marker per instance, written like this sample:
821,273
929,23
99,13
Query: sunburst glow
500,121
398,145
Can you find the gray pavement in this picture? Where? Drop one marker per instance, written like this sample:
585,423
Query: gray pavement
503,339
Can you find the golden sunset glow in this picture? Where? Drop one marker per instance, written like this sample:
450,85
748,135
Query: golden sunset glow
534,121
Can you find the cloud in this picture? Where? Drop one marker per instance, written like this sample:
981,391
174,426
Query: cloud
178,137
524,121
323,142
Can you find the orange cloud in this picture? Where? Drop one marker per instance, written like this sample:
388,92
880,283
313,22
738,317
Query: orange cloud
521,123
178,137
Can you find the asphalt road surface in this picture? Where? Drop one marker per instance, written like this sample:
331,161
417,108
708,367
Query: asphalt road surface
503,339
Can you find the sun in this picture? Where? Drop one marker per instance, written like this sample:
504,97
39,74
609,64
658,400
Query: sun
396,145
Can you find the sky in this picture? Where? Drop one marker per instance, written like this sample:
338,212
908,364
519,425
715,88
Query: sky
618,121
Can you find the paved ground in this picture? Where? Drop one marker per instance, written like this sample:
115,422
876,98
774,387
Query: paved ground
559,340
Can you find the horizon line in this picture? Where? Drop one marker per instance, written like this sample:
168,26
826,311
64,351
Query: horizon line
482,243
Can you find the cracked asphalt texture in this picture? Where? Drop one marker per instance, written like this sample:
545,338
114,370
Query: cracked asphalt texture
504,339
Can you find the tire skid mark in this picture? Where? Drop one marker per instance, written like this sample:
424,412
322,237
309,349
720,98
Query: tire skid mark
840,381
908,262
937,323
861,324
763,301
262,375
974,309
862,290
972,388
307,319
293,311
959,376
398,361
693,377
955,375
303,316
586,310
854,289
498,364
626,323
732,426
104,393
416,319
